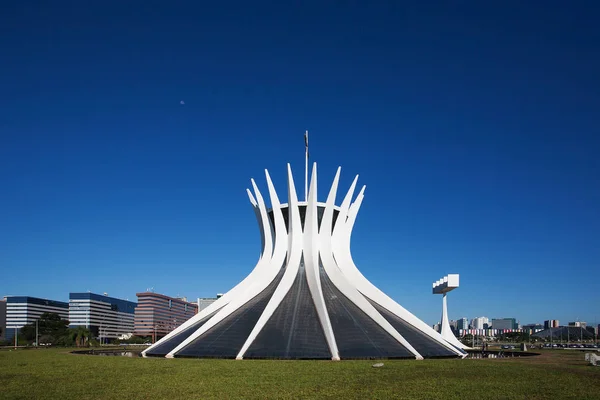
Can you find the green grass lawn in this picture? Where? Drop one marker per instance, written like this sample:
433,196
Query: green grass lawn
57,374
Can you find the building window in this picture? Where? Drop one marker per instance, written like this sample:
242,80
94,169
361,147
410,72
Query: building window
170,304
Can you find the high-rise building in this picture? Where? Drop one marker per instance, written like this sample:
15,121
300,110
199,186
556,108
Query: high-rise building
2,318
106,317
480,323
504,323
453,324
23,310
157,314
551,323
578,324
462,323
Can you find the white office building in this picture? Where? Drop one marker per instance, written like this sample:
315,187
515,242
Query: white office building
480,323
106,317
23,310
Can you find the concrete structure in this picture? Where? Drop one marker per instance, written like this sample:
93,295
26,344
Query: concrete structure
106,317
591,330
567,334
551,323
157,314
480,323
2,319
443,286
578,324
505,323
305,298
532,328
23,310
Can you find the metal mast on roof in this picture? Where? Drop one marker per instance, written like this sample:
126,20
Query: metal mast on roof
306,166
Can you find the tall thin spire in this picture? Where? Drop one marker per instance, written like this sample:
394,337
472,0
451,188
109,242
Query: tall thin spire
306,166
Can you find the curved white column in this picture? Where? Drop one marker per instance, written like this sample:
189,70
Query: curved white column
343,255
311,264
446,330
340,281
281,248
233,292
266,272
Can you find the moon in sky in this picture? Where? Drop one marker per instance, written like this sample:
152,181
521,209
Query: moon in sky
182,102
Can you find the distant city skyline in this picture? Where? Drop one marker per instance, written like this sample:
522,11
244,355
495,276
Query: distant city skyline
473,126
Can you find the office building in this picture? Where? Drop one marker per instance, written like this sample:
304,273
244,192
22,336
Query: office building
462,323
204,302
2,319
505,323
578,324
551,323
157,314
106,317
480,323
453,324
305,298
23,310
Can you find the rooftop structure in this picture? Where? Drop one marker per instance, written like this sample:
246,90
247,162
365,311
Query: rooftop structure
565,333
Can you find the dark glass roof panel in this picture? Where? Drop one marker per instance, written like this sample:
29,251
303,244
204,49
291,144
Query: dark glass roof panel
226,339
294,330
356,334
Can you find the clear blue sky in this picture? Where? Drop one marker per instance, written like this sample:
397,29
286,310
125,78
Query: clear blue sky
474,127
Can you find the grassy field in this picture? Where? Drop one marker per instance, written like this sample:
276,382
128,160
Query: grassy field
57,374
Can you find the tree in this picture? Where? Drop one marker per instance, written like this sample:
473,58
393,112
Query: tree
48,325
82,335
